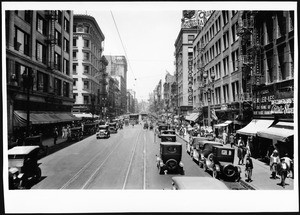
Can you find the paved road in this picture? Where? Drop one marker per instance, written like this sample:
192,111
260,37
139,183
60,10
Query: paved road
127,160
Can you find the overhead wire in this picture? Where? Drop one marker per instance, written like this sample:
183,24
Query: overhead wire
124,49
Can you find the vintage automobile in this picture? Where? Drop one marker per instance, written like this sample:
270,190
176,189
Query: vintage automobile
113,128
161,128
103,131
168,131
90,128
197,183
168,138
169,159
75,134
192,144
220,163
23,166
202,149
37,141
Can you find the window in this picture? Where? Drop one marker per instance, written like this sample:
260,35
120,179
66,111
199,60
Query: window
42,82
66,25
59,16
233,32
74,68
225,17
74,82
40,53
225,65
41,25
86,84
57,61
190,39
86,43
74,55
86,56
86,29
21,41
218,24
66,89
24,14
226,39
58,38
75,42
218,47
66,45
235,57
66,67
86,69
226,93
57,87
233,12
86,99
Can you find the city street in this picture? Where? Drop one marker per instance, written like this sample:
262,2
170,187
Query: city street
127,160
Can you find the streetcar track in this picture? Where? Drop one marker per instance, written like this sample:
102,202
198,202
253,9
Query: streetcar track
145,153
131,159
85,167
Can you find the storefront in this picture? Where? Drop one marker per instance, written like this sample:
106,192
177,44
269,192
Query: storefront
226,126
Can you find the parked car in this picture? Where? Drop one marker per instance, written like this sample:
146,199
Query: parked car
89,128
113,128
168,138
103,132
197,183
220,163
202,149
191,144
75,134
23,166
169,159
161,128
168,131
37,141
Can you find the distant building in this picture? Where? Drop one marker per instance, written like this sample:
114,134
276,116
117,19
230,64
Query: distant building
88,65
167,92
117,67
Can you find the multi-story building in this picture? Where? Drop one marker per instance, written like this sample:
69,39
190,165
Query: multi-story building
88,65
113,97
169,80
38,62
117,66
217,68
130,101
267,56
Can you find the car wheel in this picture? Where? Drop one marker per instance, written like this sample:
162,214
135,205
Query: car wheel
204,167
200,164
38,175
160,170
181,171
215,174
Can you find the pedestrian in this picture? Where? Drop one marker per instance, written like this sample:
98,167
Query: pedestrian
283,171
274,161
289,163
247,148
224,137
248,168
63,132
55,135
241,151
231,140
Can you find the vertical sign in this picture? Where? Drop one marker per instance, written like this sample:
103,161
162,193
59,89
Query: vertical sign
190,82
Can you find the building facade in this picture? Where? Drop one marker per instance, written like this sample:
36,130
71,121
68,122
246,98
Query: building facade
217,70
167,93
38,65
117,66
267,55
88,65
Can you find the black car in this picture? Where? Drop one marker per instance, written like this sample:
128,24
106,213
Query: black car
103,131
169,159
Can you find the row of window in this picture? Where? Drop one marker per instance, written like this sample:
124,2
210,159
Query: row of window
41,82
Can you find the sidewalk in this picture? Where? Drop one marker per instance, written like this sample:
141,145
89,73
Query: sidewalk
261,174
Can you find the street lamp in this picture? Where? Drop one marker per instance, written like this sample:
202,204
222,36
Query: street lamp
210,91
27,84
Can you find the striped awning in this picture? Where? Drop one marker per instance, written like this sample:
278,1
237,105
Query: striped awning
40,117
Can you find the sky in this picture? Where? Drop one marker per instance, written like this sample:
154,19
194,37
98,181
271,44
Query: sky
148,39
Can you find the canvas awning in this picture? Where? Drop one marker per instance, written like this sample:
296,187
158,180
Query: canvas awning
192,117
224,124
83,115
41,117
280,132
254,126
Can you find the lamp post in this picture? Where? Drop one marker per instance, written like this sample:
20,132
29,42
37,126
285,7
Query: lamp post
27,84
210,89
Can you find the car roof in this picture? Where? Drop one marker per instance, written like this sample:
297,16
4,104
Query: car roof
198,183
199,138
21,150
224,147
170,143
211,142
103,126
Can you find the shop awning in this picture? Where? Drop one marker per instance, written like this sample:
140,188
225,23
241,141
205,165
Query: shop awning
83,115
192,117
280,132
254,126
39,117
224,124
